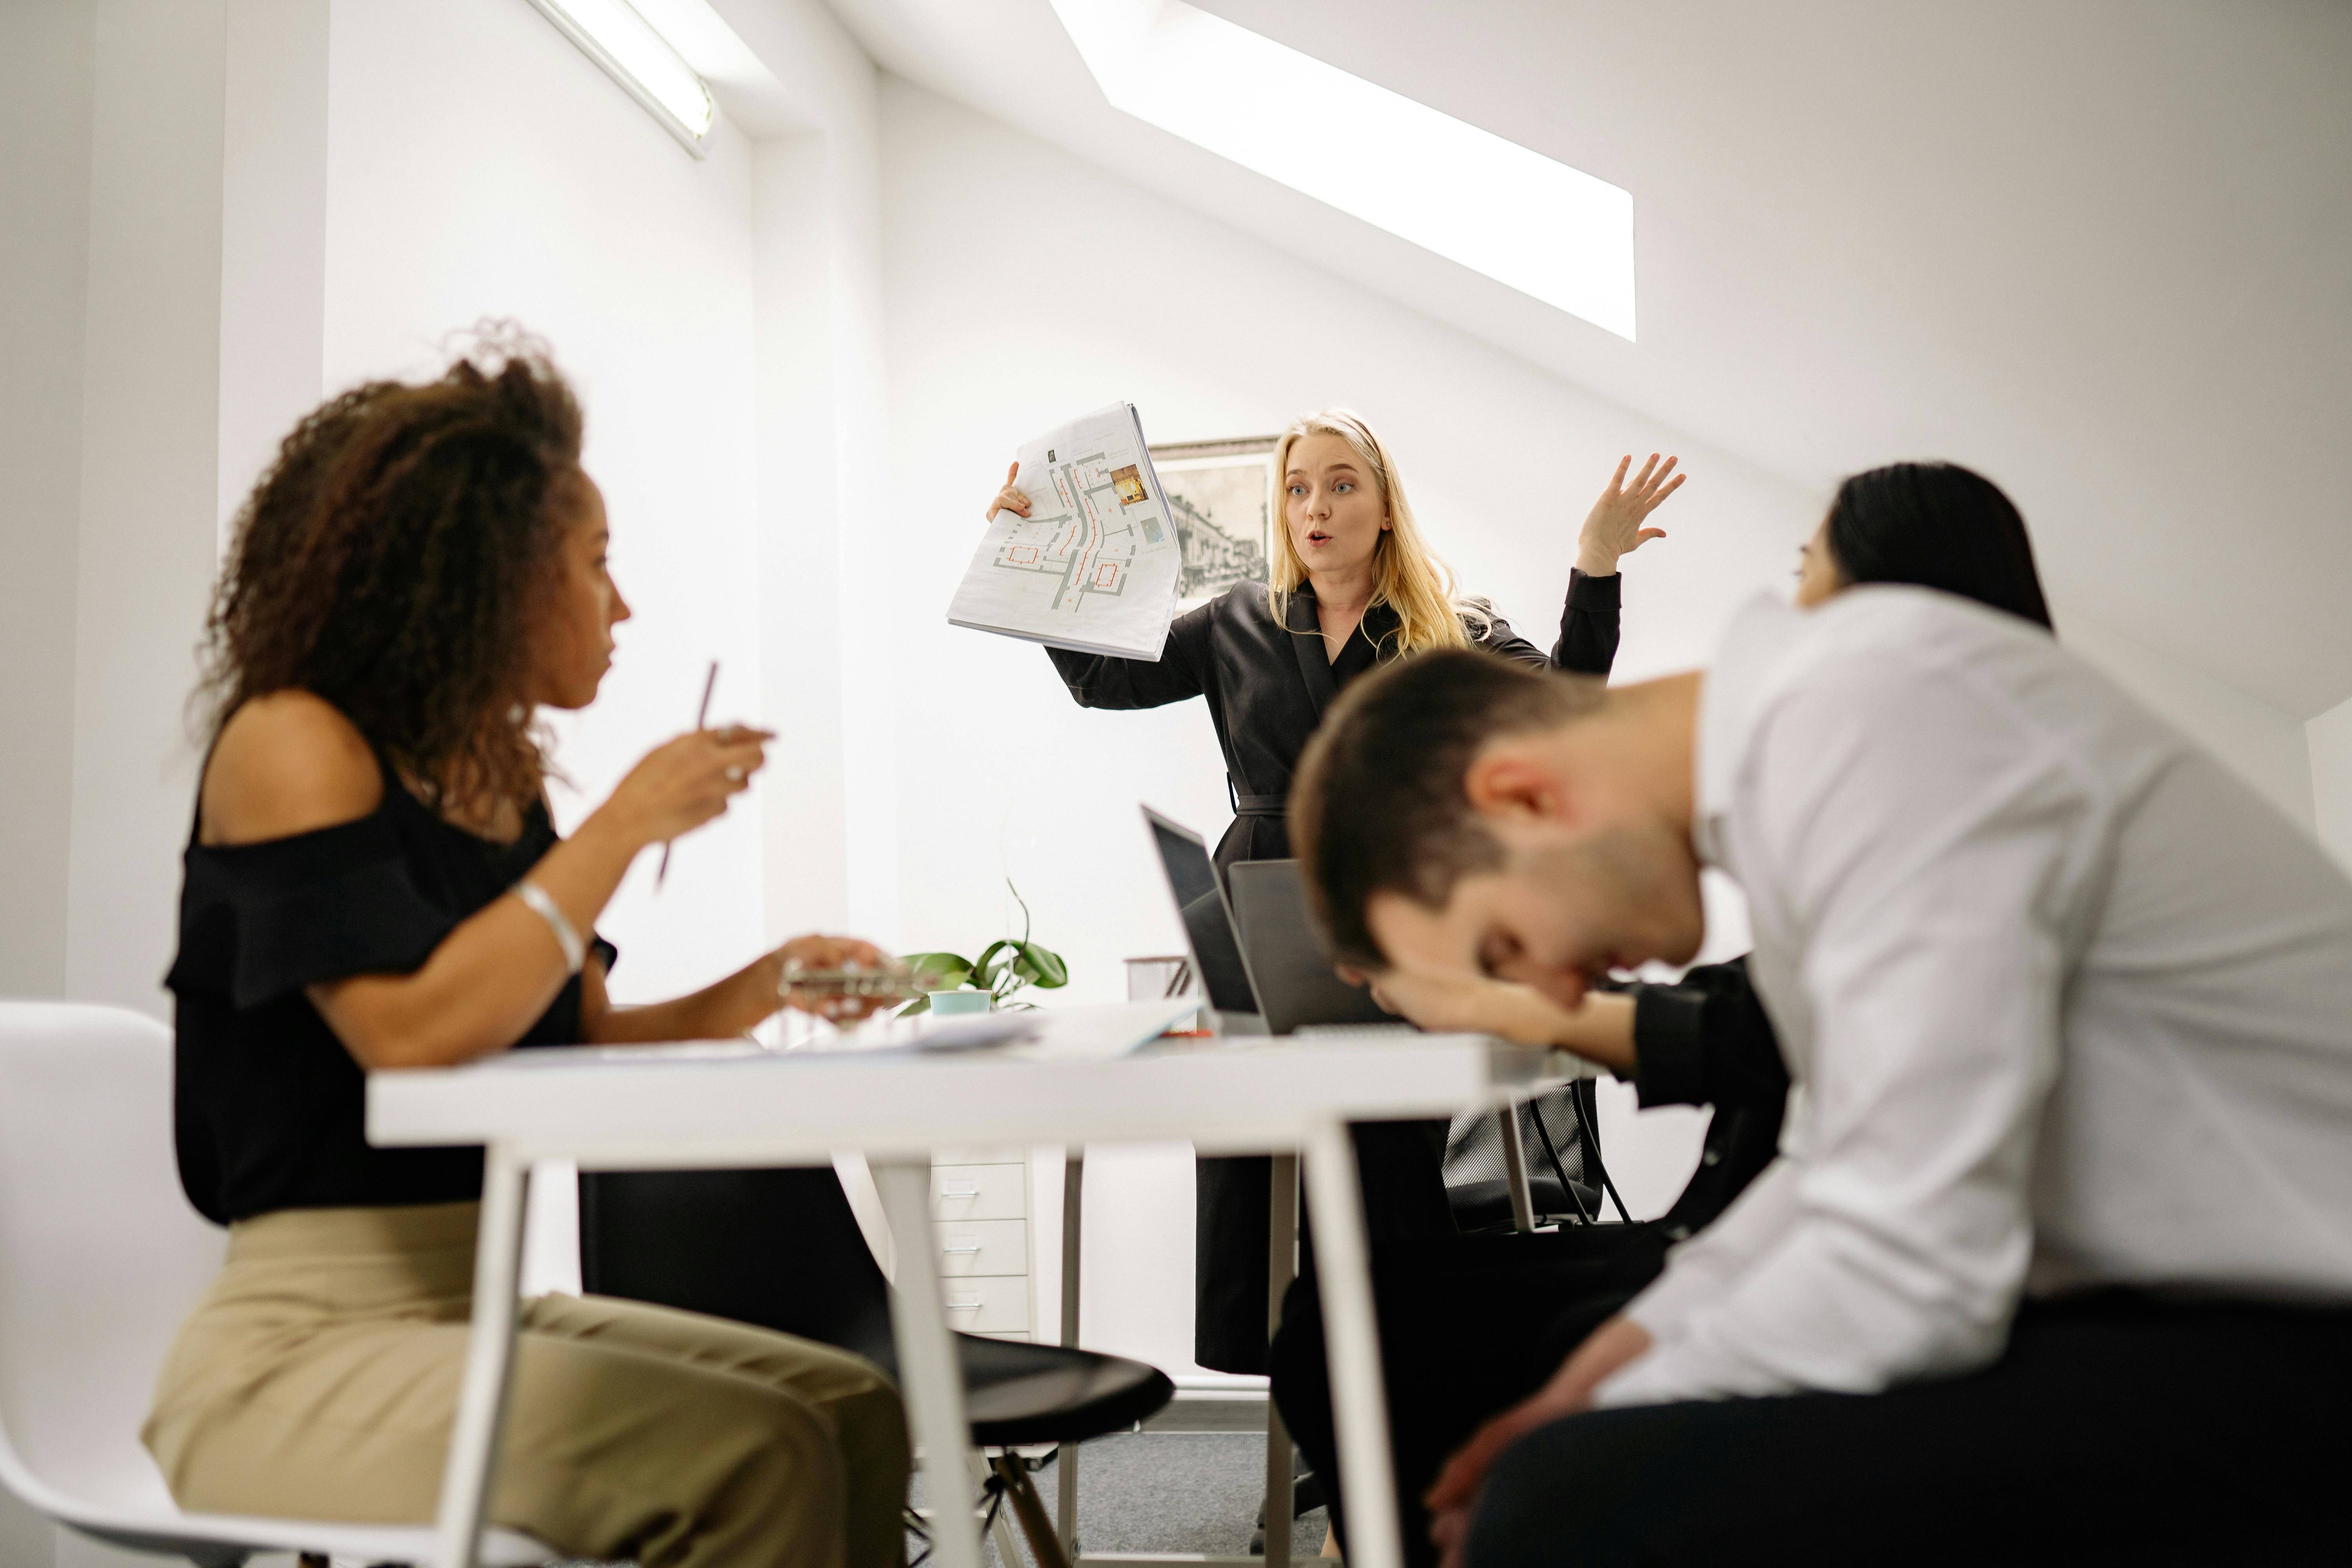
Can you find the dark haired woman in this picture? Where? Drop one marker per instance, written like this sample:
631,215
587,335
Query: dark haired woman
1932,525
1704,1040
373,882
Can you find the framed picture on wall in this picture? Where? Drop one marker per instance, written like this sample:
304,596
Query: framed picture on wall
1218,495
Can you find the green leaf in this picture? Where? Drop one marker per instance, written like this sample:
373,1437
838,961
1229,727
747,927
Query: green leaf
1048,968
1033,962
940,970
995,959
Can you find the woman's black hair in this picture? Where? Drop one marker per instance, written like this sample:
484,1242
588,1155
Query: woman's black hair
1937,525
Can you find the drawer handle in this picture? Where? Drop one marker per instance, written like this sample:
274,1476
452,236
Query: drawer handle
959,1191
964,1306
973,1247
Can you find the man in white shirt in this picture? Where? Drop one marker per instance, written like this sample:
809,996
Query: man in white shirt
2069,1013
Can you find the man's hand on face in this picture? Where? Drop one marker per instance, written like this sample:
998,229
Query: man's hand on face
1471,1004
1455,1498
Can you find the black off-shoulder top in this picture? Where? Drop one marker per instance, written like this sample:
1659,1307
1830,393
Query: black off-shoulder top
269,1104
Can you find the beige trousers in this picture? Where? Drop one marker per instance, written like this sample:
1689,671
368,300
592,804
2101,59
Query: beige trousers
318,1376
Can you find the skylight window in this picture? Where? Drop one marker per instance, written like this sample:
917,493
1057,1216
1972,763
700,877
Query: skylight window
1495,206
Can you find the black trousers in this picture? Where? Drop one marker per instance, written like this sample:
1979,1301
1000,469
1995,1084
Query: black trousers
2117,1428
1401,1167
1469,1325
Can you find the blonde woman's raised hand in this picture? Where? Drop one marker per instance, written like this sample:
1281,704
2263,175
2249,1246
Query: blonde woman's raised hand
1009,499
1614,526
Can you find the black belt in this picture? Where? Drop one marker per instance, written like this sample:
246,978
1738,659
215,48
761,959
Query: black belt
1257,804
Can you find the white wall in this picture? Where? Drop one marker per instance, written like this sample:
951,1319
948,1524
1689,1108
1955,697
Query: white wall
1024,286
48,79
273,266
2262,745
150,400
2328,740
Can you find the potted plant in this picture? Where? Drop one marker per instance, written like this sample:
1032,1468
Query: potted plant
1004,968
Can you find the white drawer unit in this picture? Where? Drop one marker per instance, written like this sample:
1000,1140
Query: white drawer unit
998,1304
980,1236
971,1154
980,1192
984,1247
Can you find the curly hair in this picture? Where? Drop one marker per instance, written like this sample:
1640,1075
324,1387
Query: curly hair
390,560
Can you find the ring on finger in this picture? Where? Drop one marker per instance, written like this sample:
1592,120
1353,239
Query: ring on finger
734,775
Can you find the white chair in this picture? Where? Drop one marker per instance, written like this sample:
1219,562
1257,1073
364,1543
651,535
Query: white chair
101,1258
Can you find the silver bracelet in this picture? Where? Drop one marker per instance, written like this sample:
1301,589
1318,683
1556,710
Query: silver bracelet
575,952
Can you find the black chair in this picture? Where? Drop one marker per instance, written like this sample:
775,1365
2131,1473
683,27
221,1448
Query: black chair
1485,1207
782,1249
1566,1182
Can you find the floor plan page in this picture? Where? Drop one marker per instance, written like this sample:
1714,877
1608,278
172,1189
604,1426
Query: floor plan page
1094,566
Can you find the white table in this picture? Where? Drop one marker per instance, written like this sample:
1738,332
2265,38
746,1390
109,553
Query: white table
722,1107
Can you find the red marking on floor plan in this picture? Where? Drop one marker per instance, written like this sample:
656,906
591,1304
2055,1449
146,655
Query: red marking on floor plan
1092,523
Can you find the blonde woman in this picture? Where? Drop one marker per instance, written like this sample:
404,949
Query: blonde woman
1353,586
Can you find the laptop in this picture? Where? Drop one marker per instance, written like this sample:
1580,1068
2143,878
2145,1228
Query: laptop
1265,972
1298,987
1217,956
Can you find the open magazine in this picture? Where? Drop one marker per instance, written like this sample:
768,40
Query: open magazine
1095,565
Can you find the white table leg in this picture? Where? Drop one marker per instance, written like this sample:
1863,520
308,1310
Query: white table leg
930,1379
1066,1457
1515,1168
1359,1401
1281,1268
490,1359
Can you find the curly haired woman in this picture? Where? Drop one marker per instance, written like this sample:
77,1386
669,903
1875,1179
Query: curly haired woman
373,882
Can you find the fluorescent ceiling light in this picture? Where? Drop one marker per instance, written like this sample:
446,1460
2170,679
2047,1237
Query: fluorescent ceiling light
611,32
1493,206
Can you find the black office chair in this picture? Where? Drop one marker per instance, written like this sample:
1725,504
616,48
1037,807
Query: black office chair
782,1249
1485,1207
1566,1182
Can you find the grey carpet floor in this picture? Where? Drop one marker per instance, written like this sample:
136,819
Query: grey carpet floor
1169,1489
1174,1491
1175,1487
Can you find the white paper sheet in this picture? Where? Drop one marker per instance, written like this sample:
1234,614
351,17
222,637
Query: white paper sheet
1094,564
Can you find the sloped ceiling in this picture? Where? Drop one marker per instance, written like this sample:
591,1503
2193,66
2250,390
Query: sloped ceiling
2102,250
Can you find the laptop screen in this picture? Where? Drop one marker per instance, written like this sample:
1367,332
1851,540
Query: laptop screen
1208,925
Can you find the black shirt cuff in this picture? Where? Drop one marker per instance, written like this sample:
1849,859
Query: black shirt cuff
1595,593
1669,1045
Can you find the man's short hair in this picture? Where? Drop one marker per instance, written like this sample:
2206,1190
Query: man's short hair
1378,804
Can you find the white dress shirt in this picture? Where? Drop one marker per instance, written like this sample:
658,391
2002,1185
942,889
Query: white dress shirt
2063,1002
